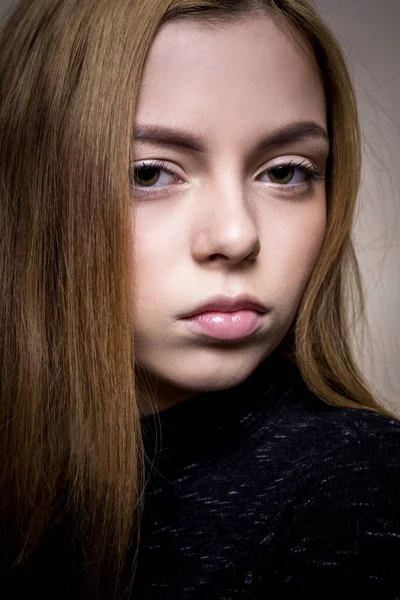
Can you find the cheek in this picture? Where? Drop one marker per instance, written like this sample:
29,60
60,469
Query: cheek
292,244
147,252
158,250
152,247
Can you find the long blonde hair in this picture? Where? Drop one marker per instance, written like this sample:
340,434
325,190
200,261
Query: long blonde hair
70,443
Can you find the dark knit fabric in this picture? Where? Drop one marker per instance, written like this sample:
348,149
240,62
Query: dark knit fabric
261,492
264,491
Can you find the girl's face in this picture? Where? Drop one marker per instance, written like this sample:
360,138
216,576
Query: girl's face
229,155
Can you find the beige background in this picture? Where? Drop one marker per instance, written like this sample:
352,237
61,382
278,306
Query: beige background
369,33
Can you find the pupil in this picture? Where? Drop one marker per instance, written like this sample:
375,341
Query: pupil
146,175
282,172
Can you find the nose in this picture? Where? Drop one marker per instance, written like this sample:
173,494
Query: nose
224,226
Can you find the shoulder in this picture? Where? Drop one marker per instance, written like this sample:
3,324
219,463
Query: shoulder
359,433
341,524
333,456
306,426
315,432
323,488
346,452
350,459
301,441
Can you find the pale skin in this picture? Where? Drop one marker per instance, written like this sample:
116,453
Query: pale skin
217,219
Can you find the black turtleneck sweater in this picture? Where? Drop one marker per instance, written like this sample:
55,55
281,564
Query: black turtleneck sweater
258,492
264,491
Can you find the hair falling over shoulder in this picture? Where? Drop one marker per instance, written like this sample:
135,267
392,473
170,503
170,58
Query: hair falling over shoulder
70,444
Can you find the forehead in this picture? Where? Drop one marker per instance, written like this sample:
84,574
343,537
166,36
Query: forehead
230,78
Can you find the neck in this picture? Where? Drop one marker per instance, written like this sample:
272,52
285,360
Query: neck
156,395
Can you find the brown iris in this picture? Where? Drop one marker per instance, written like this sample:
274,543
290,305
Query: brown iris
281,174
146,176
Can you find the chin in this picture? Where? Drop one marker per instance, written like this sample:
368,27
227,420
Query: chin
209,371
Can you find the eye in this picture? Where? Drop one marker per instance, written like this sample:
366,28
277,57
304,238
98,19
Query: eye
291,173
152,174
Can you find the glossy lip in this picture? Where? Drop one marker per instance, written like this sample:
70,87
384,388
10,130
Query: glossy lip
228,304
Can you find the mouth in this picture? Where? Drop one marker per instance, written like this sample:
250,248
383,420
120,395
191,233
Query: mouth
220,325
227,304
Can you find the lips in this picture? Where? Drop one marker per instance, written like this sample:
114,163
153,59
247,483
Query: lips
227,304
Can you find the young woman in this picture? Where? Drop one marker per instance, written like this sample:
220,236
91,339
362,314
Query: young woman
181,413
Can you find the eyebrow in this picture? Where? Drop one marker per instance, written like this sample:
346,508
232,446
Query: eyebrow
165,136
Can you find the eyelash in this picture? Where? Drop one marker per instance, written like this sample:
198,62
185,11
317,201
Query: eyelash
312,174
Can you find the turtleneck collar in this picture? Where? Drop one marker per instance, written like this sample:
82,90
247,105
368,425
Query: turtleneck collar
210,420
